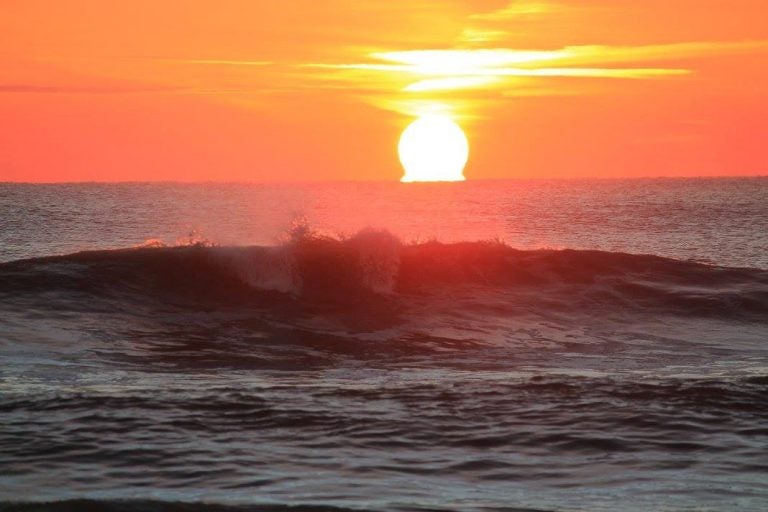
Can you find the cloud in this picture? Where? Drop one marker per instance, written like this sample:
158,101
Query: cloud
462,81
419,71
481,35
578,55
498,24
517,9
452,83
457,69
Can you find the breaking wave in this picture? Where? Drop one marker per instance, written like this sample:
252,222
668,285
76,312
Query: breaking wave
375,267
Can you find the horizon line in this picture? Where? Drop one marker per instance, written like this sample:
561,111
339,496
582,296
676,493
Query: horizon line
393,181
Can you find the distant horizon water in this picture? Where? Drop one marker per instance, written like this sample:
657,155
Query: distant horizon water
527,214
392,180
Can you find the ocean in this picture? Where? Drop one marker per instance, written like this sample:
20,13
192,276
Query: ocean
571,345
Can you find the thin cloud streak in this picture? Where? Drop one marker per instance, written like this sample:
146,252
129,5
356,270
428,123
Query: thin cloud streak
584,55
452,83
516,9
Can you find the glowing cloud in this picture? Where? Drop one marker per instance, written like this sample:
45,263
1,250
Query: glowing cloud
453,70
515,9
427,70
451,83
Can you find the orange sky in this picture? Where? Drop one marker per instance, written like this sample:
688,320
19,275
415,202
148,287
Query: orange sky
263,90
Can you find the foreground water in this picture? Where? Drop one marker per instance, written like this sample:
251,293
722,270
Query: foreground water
612,355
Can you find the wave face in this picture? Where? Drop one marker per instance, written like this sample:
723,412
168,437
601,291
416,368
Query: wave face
367,374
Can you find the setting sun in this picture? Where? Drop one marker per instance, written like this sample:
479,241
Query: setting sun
433,148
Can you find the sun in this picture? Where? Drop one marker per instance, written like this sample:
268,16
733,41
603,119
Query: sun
433,148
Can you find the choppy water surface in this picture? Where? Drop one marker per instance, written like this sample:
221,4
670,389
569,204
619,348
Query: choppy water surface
611,355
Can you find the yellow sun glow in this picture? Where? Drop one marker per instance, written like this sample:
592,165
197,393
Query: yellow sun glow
433,148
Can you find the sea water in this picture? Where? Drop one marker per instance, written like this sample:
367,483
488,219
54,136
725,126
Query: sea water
493,345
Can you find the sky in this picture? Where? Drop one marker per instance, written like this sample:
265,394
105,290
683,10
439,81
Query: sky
304,90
